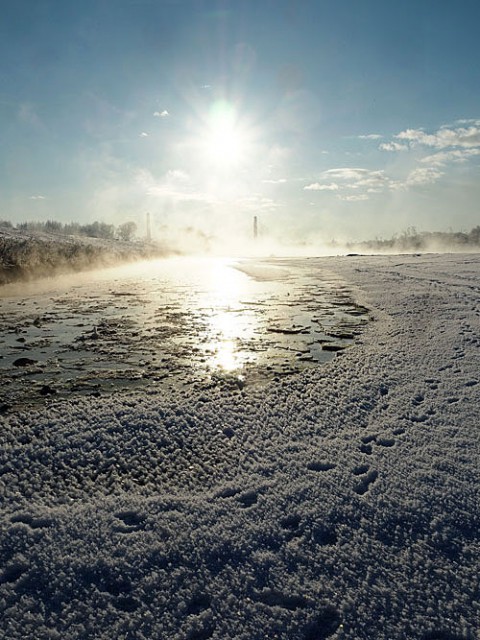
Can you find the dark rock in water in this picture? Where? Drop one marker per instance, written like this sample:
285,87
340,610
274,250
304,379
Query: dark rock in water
47,390
37,322
289,330
24,362
332,347
4,407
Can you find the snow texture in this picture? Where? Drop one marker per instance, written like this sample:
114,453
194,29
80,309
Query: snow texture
341,502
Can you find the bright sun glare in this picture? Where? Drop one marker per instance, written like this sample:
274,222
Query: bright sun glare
225,141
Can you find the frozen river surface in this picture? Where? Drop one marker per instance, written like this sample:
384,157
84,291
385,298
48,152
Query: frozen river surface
170,322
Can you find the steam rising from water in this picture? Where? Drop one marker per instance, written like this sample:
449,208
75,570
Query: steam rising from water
241,243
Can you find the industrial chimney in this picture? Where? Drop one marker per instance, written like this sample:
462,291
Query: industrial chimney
149,231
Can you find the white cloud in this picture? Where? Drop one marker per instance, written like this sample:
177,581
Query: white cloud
465,137
412,135
143,134
38,197
161,114
316,186
370,136
393,146
453,144
374,179
355,178
354,198
468,121
442,158
346,173
347,179
278,181
418,177
423,175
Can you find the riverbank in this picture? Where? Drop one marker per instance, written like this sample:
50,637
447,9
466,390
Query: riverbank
26,256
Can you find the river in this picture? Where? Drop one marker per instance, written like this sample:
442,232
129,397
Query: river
177,321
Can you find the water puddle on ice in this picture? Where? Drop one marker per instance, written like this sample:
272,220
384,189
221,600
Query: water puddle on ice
170,322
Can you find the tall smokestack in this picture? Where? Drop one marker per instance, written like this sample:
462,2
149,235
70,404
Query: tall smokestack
149,231
255,227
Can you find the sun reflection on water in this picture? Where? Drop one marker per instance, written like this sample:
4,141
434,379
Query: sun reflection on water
230,323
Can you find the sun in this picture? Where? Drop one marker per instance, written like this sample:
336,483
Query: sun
225,142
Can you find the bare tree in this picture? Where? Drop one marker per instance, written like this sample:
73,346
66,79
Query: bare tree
126,231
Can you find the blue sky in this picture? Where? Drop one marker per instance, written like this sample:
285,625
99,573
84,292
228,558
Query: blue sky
347,119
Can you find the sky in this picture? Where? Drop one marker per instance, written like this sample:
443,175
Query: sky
341,120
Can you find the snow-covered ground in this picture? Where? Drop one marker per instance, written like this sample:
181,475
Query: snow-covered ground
26,255
341,501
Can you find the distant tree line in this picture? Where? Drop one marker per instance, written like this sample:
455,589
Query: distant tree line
125,231
413,240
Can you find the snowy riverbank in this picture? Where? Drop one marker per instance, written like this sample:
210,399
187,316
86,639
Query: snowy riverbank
340,502
26,255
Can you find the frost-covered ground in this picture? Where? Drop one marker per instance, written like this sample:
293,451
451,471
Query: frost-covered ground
26,255
338,502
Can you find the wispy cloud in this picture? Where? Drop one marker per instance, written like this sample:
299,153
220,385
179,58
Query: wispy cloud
474,121
346,173
344,180
418,177
144,134
161,114
442,158
354,198
356,178
38,197
454,144
393,146
443,138
316,186
278,181
370,136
